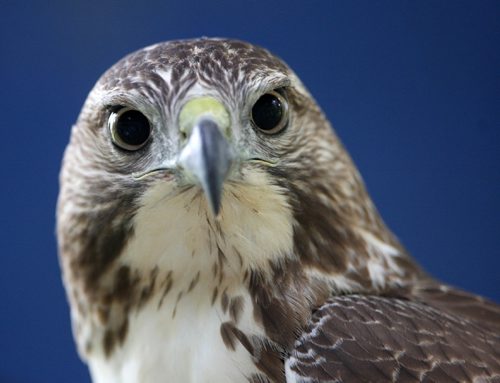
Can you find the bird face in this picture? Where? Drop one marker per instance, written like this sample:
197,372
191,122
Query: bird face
199,122
220,127
211,144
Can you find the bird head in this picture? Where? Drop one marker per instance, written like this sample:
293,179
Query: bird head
213,145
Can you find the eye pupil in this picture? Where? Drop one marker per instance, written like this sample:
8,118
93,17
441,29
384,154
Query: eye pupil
133,128
130,129
269,112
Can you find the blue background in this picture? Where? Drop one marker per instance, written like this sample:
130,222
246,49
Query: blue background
412,87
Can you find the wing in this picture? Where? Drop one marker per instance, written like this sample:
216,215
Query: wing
378,339
457,302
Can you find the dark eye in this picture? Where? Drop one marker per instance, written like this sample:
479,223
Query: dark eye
130,129
270,112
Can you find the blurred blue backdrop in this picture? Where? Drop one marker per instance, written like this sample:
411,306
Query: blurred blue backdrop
412,87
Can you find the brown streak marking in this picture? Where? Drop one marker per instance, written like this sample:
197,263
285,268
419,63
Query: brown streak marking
224,301
209,223
148,290
194,282
245,342
258,378
107,342
215,270
103,314
123,285
122,332
168,285
218,227
215,294
193,198
221,258
210,241
226,332
235,195
179,297
236,308
270,361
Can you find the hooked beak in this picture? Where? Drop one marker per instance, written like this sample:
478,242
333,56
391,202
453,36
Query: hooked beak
207,155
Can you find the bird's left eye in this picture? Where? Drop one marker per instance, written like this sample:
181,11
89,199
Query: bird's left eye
270,112
129,128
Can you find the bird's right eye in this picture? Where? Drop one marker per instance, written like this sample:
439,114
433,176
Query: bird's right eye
129,128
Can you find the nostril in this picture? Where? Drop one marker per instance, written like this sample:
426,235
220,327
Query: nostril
183,135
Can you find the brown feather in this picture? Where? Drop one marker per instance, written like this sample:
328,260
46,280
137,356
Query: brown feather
374,339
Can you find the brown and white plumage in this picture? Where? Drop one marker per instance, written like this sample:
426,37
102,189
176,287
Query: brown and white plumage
294,277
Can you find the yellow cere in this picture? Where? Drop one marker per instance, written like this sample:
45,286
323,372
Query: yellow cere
203,107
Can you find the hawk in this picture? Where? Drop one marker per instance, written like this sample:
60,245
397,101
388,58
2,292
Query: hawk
212,228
